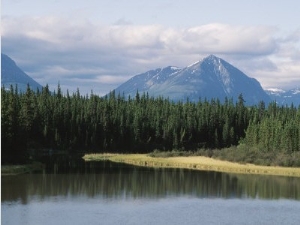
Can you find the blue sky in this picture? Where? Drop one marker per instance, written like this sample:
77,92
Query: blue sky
100,44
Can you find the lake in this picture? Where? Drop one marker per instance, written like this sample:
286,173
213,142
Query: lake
74,192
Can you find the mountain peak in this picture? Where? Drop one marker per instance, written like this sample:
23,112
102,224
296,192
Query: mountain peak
211,77
207,60
210,58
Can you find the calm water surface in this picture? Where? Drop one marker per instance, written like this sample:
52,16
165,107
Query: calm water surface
73,192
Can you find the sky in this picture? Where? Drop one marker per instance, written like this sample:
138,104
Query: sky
98,45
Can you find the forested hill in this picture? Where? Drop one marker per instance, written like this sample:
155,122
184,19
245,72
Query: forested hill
44,120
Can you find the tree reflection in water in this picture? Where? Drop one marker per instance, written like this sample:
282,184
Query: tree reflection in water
111,180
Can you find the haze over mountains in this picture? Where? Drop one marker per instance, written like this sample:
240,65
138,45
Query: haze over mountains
209,78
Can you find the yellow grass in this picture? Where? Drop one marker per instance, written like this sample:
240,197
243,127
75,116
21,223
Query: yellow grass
194,162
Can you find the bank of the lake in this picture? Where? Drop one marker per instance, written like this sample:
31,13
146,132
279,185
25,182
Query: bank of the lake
21,169
194,162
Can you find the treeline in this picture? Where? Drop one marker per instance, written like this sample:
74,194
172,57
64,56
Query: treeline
72,122
276,129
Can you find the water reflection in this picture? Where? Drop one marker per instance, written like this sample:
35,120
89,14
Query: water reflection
117,181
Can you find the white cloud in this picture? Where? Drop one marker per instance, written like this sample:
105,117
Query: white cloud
55,49
221,38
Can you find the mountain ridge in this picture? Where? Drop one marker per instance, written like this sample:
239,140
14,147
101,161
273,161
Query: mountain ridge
11,74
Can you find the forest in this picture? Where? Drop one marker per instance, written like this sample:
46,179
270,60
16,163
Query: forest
44,120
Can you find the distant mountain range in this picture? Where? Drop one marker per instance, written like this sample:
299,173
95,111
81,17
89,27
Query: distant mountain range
283,97
209,78
11,74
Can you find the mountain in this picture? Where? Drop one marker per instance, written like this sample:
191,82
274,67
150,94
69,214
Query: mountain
209,78
11,74
285,97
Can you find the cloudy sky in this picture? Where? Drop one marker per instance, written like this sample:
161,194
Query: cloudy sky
99,44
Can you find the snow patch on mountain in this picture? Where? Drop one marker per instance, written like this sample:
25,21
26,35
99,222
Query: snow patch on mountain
296,91
275,91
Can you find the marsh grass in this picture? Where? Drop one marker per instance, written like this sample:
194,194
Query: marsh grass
241,154
193,162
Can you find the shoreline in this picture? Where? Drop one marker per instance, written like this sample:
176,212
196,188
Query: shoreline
195,163
11,170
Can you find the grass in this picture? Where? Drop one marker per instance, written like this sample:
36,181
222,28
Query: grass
241,154
20,169
194,162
